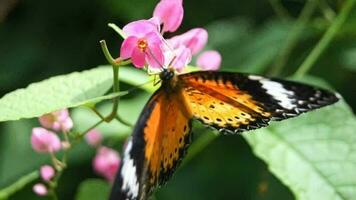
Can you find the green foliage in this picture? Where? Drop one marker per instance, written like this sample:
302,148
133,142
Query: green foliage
93,189
5,193
65,91
314,154
16,150
55,93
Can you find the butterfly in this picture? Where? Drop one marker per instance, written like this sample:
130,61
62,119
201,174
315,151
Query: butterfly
228,102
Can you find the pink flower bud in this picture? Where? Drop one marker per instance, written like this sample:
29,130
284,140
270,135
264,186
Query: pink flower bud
209,60
93,137
106,163
194,39
44,141
47,172
58,120
40,189
170,13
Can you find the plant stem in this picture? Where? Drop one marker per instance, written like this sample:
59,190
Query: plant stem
325,40
90,128
124,122
293,36
117,30
116,88
5,193
107,54
279,9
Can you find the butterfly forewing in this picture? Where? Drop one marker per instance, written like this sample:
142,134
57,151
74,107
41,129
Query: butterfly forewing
234,102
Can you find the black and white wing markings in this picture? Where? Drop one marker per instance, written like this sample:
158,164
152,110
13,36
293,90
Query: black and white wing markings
288,98
261,99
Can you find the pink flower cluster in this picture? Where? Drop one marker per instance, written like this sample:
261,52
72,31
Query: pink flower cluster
46,141
47,173
105,163
107,160
146,46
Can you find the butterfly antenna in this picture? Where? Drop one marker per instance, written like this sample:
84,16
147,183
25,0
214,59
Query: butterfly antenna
154,58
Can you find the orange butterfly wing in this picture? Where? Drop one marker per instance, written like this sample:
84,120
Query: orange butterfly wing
235,102
158,144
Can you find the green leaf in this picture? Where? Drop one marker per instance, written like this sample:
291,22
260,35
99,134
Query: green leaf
55,93
313,154
94,189
66,91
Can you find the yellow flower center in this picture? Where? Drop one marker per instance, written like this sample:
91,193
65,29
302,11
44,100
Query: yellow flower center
142,44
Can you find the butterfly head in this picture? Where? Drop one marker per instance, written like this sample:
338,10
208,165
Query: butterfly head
166,74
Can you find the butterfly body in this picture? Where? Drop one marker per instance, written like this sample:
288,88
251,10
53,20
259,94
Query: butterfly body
229,102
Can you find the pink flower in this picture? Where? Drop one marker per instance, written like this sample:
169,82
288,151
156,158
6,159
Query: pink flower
106,163
170,13
209,60
47,172
58,120
44,141
195,40
93,137
178,58
40,189
143,44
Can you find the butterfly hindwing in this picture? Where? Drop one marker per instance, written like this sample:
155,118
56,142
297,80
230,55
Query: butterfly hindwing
235,102
158,143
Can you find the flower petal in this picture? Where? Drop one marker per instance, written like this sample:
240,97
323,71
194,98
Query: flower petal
154,38
154,56
106,162
47,172
138,58
93,137
182,57
128,46
209,60
44,141
40,189
194,39
170,13
140,28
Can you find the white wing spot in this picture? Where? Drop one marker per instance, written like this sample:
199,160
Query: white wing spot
277,91
128,173
255,78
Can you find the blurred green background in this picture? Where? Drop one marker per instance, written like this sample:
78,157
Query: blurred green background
40,39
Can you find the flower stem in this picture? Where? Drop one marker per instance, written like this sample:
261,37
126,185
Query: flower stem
117,30
279,9
5,193
115,66
325,40
107,54
79,136
122,121
293,36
